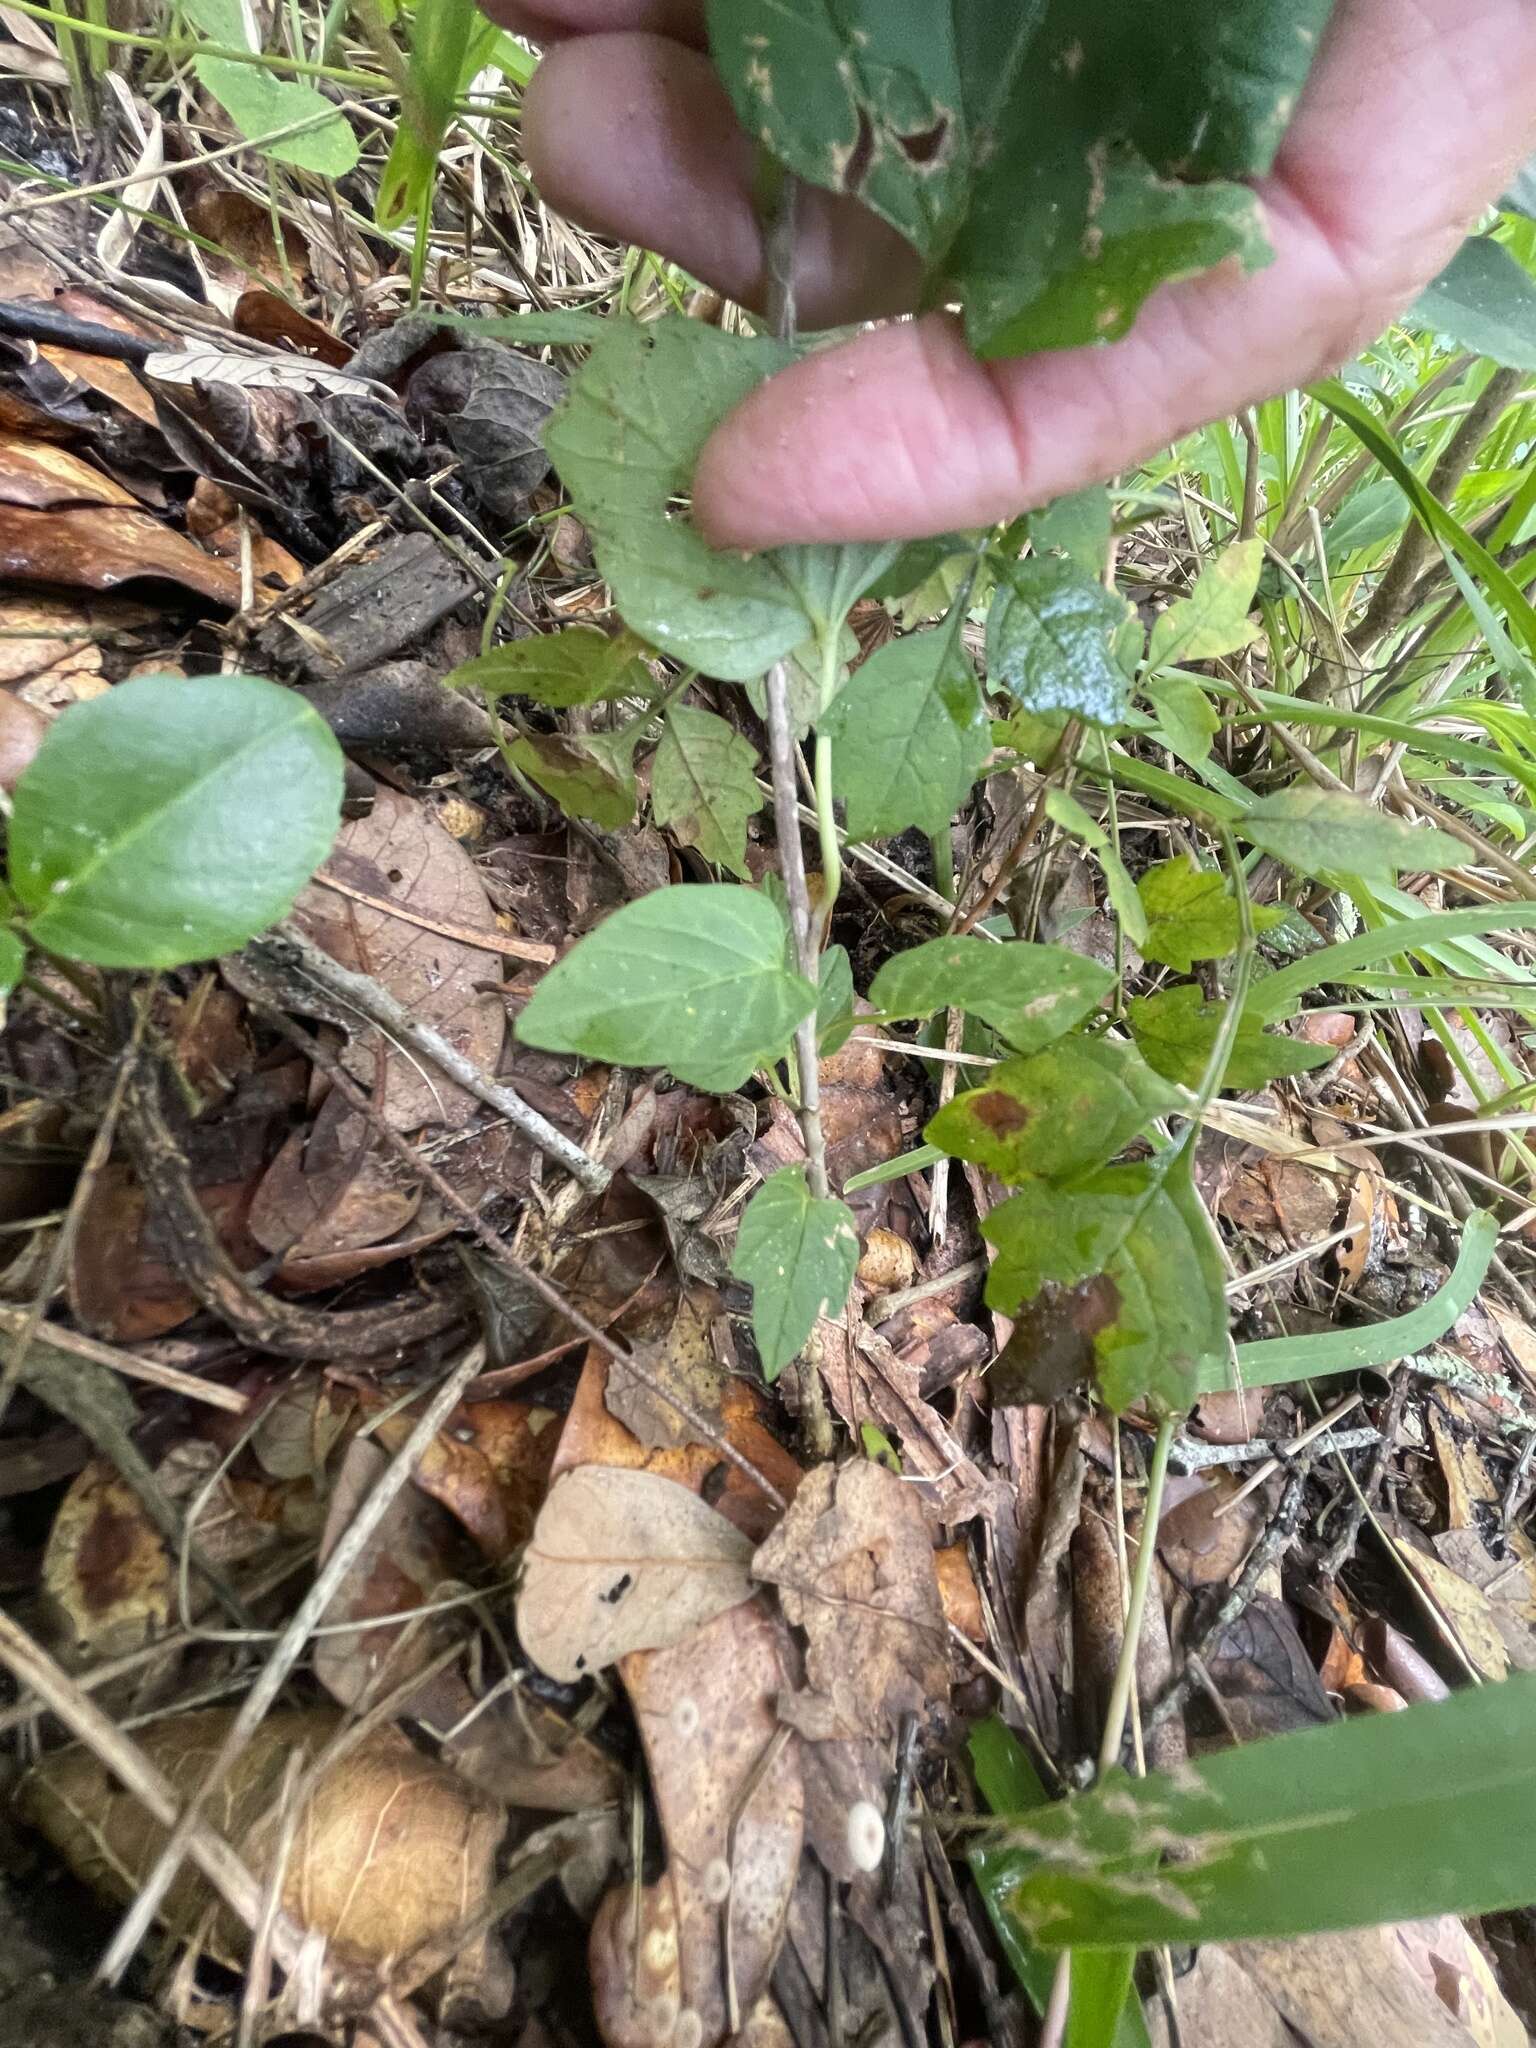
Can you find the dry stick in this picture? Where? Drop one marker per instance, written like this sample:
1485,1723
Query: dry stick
465,935
704,1432
52,1337
290,948
35,1670
285,1654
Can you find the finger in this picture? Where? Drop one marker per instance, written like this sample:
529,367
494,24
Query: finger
673,171
1413,117
549,21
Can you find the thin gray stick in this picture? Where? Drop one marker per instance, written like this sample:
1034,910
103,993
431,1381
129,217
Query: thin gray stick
285,1654
290,949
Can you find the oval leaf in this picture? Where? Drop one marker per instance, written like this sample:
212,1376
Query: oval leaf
1048,640
173,819
1031,994
692,978
1059,1112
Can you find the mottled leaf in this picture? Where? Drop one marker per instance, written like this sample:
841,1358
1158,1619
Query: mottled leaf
1319,833
1060,1112
1031,994
1213,620
1048,640
798,1254
589,774
577,666
693,978
1191,914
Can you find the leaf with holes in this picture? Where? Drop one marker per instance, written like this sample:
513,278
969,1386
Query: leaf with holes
1060,1112
577,666
909,735
1049,640
693,978
1136,1248
798,1254
1045,181
625,441
704,785
172,819
1031,994
1213,620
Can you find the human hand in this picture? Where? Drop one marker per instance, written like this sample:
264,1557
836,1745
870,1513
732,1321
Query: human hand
1415,114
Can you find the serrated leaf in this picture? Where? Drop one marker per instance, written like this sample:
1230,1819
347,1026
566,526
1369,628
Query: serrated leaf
1176,1031
909,735
625,440
172,819
1136,1244
589,774
1048,640
577,666
1382,1817
1031,994
1060,1112
798,1255
1484,301
693,978
1319,832
1191,914
259,104
1034,169
704,785
1213,620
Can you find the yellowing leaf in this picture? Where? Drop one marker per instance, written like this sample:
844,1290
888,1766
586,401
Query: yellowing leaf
1059,1112
1213,620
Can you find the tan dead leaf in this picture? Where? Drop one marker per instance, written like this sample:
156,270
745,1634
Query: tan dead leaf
853,1561
1202,1546
392,1849
400,853
107,375
1507,1583
1466,1609
205,365
40,474
1519,1337
682,1360
887,1263
21,734
37,632
99,547
726,1780
959,1593
244,233
622,1561
330,1190
1366,1221
489,1467
108,1579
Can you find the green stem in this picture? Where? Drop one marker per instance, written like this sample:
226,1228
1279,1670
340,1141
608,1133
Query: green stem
942,846
1141,1578
826,827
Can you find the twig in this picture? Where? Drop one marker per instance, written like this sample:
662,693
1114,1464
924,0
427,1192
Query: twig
463,934
290,949
50,1339
285,1654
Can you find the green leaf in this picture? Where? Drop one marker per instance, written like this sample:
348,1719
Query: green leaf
798,1255
1191,914
1135,1248
835,1016
909,735
589,774
625,441
692,978
1278,1360
580,665
1185,715
260,104
1060,1112
13,961
1033,167
1484,301
704,785
1213,620
1078,526
915,1161
1065,810
1048,640
1277,994
172,819
1320,832
450,43
1382,1818
1031,994
1177,1028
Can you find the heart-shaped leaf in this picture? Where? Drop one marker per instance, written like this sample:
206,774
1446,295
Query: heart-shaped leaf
1059,1112
1031,994
798,1254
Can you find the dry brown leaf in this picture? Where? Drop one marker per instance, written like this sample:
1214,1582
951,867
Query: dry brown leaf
853,1561
40,474
392,1849
682,1360
727,1785
620,1561
1507,1583
107,375
266,317
21,734
37,632
99,547
489,1467
1467,1610
400,853
108,1578
1199,1544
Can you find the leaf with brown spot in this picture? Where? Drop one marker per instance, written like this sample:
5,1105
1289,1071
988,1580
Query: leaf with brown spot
1062,1111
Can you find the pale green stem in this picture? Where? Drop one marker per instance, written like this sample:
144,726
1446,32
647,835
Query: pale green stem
1141,1578
826,827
